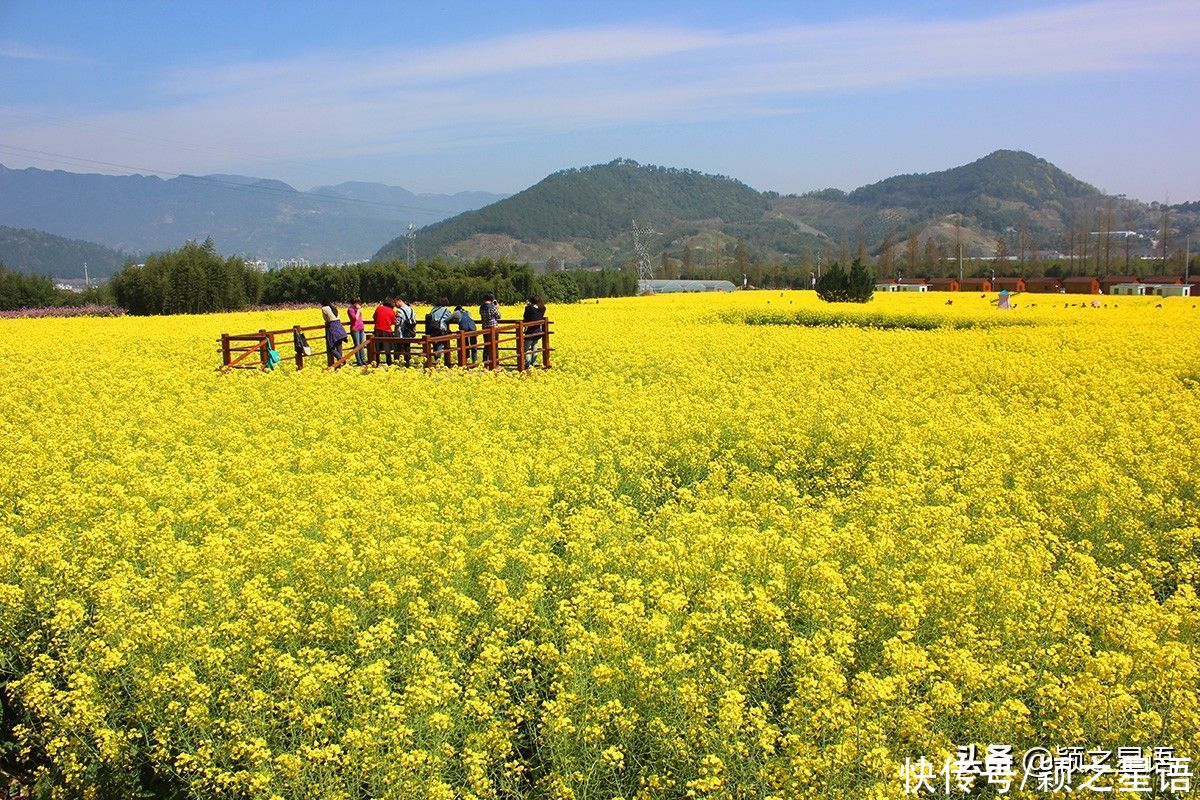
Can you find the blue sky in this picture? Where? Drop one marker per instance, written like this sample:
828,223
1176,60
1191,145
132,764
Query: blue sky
455,96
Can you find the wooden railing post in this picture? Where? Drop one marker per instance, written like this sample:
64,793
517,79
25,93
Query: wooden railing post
494,348
546,344
296,333
462,349
427,352
520,347
371,349
263,352
225,349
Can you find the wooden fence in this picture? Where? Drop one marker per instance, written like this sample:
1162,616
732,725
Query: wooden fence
512,345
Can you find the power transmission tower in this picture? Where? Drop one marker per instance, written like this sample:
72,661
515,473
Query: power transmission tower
411,241
645,270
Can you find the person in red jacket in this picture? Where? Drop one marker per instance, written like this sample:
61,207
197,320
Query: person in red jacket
385,322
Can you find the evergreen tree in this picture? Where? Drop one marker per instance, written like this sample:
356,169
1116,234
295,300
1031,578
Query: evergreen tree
834,285
860,284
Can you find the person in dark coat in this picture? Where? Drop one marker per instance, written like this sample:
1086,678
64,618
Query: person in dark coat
462,318
535,311
335,332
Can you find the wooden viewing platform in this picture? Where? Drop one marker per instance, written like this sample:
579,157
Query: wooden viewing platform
499,348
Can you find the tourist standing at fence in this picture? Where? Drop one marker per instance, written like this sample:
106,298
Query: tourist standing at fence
462,318
335,332
535,311
437,323
489,318
358,331
406,326
385,320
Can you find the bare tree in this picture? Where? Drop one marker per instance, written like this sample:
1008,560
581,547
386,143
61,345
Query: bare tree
931,256
1002,252
1106,225
911,251
1164,233
1022,239
958,237
885,256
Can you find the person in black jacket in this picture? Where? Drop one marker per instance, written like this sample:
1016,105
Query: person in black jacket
535,311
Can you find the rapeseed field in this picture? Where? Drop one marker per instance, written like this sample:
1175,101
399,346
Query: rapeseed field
720,550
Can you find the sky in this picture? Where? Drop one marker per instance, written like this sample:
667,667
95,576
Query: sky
456,96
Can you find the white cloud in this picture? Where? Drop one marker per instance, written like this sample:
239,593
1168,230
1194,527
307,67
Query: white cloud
335,105
21,51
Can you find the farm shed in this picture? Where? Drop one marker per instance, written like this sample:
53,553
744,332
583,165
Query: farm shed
1164,279
943,285
975,285
1011,284
1169,289
1109,281
1043,285
1082,285
1126,289
912,285
887,286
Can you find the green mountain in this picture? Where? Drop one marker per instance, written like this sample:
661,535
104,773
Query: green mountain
585,216
1005,189
36,252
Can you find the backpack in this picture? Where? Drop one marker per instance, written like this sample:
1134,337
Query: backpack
435,323
408,323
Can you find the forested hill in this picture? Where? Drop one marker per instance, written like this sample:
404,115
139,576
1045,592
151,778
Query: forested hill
1007,189
590,210
1006,200
1009,175
36,252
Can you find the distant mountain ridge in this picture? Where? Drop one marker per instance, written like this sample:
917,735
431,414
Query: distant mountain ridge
582,216
259,218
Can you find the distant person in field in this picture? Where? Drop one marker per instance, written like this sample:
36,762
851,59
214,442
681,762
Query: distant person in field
535,311
437,323
358,331
462,318
385,320
489,318
335,332
406,326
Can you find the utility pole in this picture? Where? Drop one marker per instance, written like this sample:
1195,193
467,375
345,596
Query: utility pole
960,266
410,255
87,282
645,271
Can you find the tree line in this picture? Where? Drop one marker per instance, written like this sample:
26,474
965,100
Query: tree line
196,279
20,290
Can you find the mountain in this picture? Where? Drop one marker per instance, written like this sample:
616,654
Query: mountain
584,216
587,215
999,191
259,218
35,252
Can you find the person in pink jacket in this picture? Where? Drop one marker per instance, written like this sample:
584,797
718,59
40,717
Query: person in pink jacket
357,330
